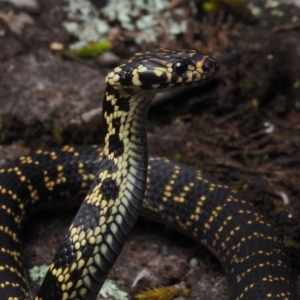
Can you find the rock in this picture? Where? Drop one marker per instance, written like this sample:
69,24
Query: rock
16,22
30,6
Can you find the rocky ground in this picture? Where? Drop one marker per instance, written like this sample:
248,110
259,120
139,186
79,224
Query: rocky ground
243,127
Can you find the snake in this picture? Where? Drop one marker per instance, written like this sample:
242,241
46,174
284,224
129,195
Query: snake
119,181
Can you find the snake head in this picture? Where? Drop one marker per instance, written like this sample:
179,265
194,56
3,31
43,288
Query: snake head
163,69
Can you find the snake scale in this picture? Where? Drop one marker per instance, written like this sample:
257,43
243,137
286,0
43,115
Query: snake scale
117,178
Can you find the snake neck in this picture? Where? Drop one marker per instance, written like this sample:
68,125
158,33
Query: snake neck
123,171
125,157
120,184
124,117
111,208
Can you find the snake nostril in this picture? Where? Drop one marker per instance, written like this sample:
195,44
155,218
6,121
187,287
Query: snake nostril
209,64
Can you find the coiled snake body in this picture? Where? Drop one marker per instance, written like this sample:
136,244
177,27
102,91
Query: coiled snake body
179,196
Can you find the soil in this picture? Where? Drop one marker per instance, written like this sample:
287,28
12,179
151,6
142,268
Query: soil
243,128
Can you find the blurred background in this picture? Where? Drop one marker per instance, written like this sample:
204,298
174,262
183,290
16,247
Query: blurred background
243,127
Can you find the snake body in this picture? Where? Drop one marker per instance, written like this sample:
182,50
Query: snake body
179,196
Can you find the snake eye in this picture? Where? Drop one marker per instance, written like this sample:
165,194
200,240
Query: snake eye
180,67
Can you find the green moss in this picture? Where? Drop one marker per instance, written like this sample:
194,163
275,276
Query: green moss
237,7
202,120
265,158
255,103
178,156
37,273
242,185
92,49
249,84
110,289
288,243
282,208
296,84
57,135
89,24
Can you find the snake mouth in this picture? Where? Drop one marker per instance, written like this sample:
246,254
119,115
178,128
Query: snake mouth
210,66
207,68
